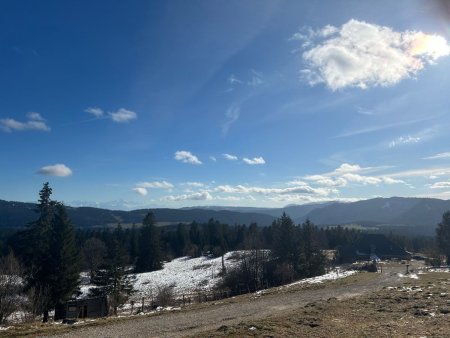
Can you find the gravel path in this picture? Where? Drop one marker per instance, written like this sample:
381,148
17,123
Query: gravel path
193,321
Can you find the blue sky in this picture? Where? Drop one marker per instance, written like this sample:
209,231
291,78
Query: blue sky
248,103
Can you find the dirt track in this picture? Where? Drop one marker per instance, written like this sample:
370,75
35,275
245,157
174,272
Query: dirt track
192,321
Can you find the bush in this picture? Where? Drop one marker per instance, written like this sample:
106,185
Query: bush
165,296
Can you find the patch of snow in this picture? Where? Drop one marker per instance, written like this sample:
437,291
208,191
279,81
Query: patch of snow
409,275
333,275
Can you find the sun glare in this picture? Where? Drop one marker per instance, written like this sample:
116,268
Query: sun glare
433,46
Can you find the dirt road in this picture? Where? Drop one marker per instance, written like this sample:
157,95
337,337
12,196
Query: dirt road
229,312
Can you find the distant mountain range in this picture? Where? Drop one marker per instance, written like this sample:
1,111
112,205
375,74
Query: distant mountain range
414,215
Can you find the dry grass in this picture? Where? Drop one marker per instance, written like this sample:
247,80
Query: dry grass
414,308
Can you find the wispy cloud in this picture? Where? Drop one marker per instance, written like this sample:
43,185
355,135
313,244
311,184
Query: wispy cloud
439,156
186,157
254,160
232,79
441,185
363,55
232,115
60,170
142,187
34,122
402,140
197,196
256,79
97,112
213,158
195,184
373,129
347,173
123,115
155,185
230,157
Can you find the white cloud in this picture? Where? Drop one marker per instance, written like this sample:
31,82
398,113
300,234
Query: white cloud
35,116
198,196
348,168
195,184
302,189
360,54
155,185
438,156
141,191
254,160
97,112
232,115
123,115
213,158
142,187
60,170
402,140
441,185
352,173
186,157
230,157
35,122
232,79
256,80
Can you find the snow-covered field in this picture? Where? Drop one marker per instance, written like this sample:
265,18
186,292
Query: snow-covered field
186,275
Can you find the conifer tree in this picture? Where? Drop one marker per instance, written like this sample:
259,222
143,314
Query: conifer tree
113,278
149,254
443,235
51,258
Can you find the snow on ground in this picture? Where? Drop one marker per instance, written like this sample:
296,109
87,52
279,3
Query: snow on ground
186,275
410,275
332,275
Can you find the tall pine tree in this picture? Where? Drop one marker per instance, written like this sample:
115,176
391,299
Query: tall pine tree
51,258
149,254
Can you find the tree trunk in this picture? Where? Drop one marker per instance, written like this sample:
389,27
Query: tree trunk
45,316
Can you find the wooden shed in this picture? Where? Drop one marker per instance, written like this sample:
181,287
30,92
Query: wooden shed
83,308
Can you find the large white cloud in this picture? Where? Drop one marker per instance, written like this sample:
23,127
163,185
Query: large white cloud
186,157
60,170
34,122
360,54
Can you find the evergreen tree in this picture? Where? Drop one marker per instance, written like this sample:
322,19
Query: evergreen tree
149,254
113,278
65,259
443,235
285,244
51,258
314,261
